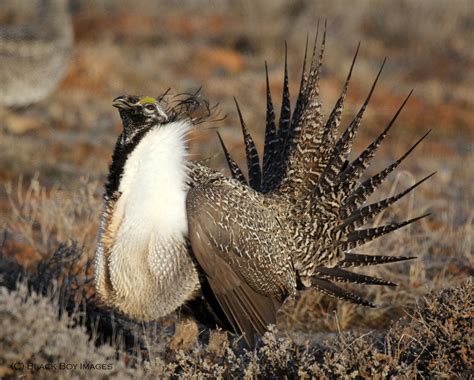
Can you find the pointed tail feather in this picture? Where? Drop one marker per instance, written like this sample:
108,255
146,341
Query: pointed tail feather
363,215
312,87
285,111
341,275
284,130
307,92
358,237
271,153
334,119
361,193
356,167
353,260
344,144
301,91
234,168
253,161
335,291
307,133
319,161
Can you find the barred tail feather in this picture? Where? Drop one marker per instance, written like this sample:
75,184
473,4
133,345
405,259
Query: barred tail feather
332,290
334,119
359,237
308,132
285,111
344,144
341,275
318,161
352,260
355,169
364,214
301,91
284,130
270,150
234,168
309,89
361,193
253,161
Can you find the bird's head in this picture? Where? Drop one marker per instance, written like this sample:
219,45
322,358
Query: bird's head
139,112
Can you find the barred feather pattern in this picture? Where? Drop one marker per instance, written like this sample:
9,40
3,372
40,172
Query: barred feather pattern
343,146
333,123
234,168
307,134
285,111
253,161
356,168
358,196
272,144
318,192
364,214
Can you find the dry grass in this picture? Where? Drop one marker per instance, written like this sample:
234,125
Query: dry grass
44,218
434,339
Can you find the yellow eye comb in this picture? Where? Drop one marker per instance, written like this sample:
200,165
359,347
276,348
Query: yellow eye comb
147,100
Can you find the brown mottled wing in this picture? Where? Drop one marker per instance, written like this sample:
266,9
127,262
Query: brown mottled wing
221,239
248,311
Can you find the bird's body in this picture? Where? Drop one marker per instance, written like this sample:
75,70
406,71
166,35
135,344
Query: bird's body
171,224
34,57
143,247
143,237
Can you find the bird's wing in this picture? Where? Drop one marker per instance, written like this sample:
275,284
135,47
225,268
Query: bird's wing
237,248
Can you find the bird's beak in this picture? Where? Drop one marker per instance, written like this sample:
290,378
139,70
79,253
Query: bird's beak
122,102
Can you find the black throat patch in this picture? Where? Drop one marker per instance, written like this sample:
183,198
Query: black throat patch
123,147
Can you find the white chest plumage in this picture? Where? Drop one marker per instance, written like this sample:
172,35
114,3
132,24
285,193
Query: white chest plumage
153,185
150,270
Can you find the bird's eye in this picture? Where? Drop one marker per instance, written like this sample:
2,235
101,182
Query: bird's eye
150,107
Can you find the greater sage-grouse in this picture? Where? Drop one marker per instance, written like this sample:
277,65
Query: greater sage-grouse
170,223
34,56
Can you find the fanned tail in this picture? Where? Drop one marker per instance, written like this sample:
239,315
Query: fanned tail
307,165
331,199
